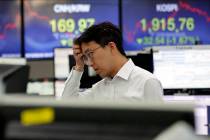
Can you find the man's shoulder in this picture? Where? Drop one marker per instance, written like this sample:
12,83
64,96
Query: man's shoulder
142,73
100,83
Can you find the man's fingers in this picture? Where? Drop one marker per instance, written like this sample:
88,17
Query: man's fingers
76,47
79,55
76,51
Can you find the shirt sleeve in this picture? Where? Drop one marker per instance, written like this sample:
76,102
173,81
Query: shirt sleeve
153,90
72,84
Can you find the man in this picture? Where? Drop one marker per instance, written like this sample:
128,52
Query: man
100,47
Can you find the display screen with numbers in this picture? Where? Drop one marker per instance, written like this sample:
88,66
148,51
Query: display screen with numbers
184,69
55,23
148,23
10,28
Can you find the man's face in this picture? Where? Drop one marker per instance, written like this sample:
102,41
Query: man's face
98,57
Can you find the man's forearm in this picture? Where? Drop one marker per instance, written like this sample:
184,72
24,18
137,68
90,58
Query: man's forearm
72,83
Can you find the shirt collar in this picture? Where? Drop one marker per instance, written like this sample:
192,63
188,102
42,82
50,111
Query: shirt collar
126,70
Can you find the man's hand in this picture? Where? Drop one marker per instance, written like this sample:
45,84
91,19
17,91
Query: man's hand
77,52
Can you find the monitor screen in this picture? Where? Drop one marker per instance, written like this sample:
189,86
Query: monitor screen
61,68
61,62
142,59
185,68
147,23
55,23
14,74
40,87
10,32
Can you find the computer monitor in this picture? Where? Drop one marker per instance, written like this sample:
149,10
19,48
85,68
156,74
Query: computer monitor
183,69
75,119
16,82
61,62
143,59
61,68
49,24
147,23
14,75
10,28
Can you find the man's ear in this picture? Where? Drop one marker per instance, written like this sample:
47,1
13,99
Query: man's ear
113,46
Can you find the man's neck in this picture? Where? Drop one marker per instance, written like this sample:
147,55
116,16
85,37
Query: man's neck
118,64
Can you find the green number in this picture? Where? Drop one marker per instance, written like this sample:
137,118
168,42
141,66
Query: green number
62,25
159,40
85,23
70,42
148,40
53,25
143,24
171,24
91,21
190,24
171,40
82,24
182,21
182,40
163,24
70,25
155,24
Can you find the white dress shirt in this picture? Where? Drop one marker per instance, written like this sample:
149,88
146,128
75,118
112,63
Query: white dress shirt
130,83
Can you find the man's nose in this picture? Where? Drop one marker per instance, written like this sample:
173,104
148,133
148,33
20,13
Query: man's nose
90,62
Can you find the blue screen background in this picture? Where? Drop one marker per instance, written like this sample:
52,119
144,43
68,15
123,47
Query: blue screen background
10,35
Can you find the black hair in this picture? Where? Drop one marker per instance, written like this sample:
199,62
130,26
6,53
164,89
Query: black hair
76,41
103,33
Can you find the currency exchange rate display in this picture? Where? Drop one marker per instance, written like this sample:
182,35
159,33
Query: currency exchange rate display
149,23
55,23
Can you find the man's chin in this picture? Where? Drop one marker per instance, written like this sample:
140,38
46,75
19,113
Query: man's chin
102,75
